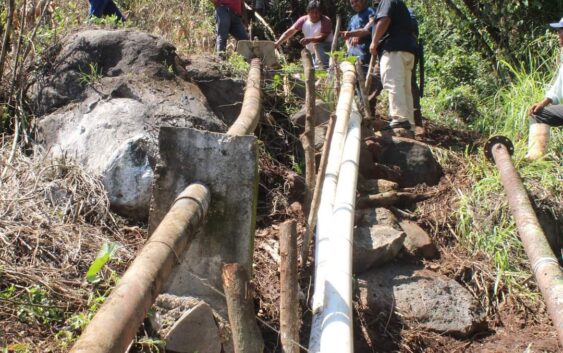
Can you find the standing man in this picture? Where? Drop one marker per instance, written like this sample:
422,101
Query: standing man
317,33
396,46
102,8
358,33
548,112
228,14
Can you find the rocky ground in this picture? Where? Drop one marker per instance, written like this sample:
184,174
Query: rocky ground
101,101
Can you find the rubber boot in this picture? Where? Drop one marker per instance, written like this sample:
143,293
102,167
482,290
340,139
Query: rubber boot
537,141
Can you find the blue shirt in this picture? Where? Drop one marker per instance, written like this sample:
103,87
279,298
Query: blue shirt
358,21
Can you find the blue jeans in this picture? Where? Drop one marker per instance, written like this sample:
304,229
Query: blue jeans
322,54
101,8
228,22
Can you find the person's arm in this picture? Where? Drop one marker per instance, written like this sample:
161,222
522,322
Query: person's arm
285,36
537,107
380,29
356,33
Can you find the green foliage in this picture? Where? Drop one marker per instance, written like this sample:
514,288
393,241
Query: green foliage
105,254
76,323
93,74
35,305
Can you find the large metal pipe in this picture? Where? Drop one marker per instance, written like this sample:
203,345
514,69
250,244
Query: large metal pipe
544,263
252,102
114,326
324,224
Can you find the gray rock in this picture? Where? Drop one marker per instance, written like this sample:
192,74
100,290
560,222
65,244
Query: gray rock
376,186
421,298
414,159
110,126
379,215
129,168
322,114
224,94
195,331
375,246
418,243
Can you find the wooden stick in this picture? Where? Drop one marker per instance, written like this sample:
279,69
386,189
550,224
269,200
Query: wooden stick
246,334
6,40
364,92
312,219
289,306
390,198
308,136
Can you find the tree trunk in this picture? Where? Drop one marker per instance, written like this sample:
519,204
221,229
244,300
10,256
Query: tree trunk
308,136
289,306
6,39
246,334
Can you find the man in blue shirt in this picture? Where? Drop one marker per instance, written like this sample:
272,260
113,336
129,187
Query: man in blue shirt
358,37
548,112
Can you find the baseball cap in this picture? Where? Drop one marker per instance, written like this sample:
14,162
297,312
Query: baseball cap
557,25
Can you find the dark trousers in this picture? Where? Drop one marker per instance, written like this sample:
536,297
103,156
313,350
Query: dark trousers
228,22
416,95
101,8
551,115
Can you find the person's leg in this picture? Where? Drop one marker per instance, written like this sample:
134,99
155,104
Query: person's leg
408,63
394,77
322,51
551,115
223,24
112,9
237,28
538,138
97,8
416,96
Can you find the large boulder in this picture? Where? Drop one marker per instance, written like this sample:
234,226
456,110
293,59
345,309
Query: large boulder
421,298
106,94
413,159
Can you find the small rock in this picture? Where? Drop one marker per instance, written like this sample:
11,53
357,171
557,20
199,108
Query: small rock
421,298
418,243
322,114
320,134
376,186
379,215
375,246
195,331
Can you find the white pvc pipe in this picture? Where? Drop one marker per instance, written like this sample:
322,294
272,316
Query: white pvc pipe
324,223
337,326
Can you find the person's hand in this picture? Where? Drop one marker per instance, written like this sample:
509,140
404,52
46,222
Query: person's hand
277,44
345,34
305,41
373,48
537,107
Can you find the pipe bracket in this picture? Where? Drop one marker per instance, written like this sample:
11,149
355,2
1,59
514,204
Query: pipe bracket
488,149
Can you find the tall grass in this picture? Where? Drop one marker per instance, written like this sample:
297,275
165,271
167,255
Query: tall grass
484,221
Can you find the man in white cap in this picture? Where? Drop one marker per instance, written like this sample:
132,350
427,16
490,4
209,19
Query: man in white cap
548,112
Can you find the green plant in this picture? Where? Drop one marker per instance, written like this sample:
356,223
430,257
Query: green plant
93,74
105,254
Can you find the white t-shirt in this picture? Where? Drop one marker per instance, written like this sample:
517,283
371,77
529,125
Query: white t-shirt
311,29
